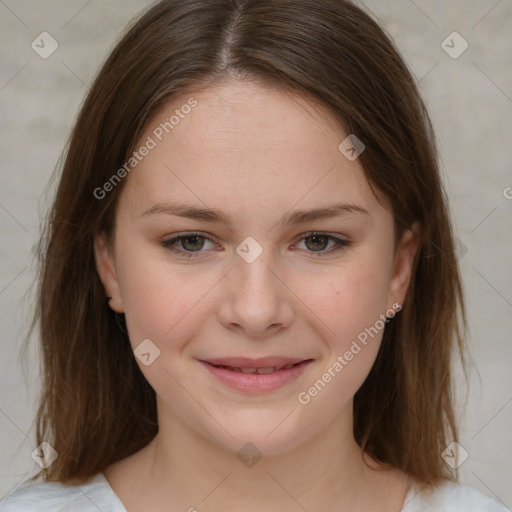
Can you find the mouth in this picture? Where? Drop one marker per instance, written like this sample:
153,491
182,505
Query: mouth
260,371
256,375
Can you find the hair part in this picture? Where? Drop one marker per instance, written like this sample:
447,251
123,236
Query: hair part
95,406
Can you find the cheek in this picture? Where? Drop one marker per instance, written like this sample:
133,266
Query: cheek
345,301
162,300
348,310
166,304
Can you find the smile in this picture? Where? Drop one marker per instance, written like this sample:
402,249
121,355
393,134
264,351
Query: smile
259,371
252,379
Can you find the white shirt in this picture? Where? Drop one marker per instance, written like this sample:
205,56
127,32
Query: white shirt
97,495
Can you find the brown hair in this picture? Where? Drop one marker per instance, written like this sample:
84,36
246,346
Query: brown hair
95,405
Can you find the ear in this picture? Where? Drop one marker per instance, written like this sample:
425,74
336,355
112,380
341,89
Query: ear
402,265
105,266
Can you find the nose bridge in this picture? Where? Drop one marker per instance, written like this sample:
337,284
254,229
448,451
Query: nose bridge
253,282
255,298
255,276
254,259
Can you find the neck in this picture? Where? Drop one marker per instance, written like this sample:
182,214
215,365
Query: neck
190,472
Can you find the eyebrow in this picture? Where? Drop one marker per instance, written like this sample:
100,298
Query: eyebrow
214,215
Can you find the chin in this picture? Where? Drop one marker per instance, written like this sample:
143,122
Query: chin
259,438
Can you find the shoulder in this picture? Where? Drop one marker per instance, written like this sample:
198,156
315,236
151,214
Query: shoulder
450,497
58,497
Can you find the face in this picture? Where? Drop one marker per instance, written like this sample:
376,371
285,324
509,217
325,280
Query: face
285,258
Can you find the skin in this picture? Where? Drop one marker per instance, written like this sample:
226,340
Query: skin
255,153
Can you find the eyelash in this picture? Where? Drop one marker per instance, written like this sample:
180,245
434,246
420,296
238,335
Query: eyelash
170,243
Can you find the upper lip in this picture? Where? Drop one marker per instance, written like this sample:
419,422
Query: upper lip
260,362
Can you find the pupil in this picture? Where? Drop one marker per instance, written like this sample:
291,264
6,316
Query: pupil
321,237
196,238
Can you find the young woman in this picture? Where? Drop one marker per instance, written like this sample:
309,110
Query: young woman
248,295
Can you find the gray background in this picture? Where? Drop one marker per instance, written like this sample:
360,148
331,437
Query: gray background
470,101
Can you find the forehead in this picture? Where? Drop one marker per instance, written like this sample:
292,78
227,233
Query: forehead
245,145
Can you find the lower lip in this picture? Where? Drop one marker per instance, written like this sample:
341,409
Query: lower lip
254,382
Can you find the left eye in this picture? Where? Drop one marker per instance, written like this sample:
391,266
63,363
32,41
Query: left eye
195,242
320,241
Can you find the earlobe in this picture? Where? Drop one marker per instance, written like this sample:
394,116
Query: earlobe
403,263
105,266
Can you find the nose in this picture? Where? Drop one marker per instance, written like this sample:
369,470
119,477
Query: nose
255,299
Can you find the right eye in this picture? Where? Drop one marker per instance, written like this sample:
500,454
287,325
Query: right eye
190,243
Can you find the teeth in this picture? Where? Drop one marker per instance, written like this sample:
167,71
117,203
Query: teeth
264,371
259,371
248,370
